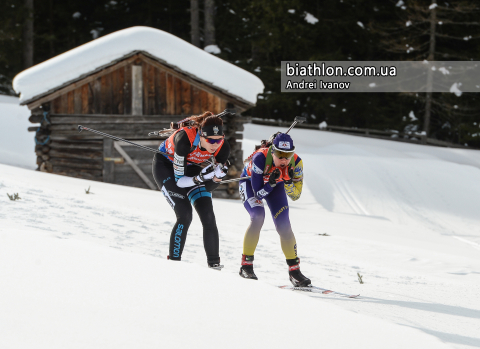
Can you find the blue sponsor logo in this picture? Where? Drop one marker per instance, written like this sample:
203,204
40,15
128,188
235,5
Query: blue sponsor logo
166,180
256,169
262,193
178,240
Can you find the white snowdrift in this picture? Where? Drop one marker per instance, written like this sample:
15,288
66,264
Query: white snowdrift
69,294
400,215
433,186
174,51
17,145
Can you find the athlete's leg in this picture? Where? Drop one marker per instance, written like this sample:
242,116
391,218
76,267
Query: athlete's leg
278,204
256,211
178,199
201,199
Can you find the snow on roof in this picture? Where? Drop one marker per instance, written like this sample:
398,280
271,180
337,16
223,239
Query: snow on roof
82,60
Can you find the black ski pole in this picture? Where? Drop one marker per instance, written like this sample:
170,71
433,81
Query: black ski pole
225,112
298,120
81,128
234,180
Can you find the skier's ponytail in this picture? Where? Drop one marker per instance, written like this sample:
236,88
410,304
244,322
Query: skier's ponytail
198,121
207,118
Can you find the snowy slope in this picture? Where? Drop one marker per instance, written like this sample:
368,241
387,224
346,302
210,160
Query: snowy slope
17,145
392,215
432,186
68,294
102,51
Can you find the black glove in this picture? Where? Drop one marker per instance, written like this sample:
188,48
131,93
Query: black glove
211,186
290,174
273,177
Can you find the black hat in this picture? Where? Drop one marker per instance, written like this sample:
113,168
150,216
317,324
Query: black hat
211,130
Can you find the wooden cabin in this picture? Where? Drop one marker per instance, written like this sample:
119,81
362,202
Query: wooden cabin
128,98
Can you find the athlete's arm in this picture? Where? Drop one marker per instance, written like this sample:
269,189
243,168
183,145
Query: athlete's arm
260,189
294,190
182,149
223,153
220,158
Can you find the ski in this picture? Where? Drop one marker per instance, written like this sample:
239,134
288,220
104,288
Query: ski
315,289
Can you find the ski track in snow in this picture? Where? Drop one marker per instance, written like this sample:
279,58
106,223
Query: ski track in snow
386,219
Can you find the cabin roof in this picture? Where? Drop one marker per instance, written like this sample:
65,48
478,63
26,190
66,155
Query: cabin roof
62,70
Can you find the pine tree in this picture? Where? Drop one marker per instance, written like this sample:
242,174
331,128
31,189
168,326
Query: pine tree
209,31
28,33
195,22
11,51
430,30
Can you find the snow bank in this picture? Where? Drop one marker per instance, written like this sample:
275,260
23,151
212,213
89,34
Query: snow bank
17,145
408,184
316,142
71,294
91,271
84,59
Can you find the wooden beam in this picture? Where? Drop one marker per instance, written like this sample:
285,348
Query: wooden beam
130,128
65,147
75,153
108,166
129,160
56,119
137,90
78,164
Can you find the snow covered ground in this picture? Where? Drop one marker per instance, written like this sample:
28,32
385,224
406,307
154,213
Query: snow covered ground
80,270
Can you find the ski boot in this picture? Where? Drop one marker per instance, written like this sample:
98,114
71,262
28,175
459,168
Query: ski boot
246,270
215,265
296,276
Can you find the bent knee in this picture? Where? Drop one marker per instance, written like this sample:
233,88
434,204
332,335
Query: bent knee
257,216
286,233
184,215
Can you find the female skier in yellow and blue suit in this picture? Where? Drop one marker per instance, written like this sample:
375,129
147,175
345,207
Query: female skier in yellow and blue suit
276,171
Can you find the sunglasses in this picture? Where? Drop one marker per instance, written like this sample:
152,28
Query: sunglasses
213,141
283,154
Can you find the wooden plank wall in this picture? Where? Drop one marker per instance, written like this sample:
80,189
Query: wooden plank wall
77,158
69,152
164,93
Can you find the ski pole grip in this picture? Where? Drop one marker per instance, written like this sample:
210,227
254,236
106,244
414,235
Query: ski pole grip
80,128
300,119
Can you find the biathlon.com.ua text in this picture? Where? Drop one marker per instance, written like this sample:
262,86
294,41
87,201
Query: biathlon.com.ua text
323,70
455,77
